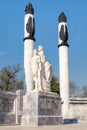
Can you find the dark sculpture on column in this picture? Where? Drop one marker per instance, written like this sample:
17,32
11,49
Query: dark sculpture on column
63,32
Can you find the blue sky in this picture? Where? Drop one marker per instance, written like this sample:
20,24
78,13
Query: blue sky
46,18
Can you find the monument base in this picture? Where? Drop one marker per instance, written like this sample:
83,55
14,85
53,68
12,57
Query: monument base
41,108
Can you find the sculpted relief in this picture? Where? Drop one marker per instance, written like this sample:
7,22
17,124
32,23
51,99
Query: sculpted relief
41,70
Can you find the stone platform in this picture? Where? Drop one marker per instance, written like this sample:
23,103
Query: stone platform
41,108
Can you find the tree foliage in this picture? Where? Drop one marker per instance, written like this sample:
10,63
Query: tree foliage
54,84
9,78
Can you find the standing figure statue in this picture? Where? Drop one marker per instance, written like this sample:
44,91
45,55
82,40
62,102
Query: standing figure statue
48,76
41,70
46,70
36,70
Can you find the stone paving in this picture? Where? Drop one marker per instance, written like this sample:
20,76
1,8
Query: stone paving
82,126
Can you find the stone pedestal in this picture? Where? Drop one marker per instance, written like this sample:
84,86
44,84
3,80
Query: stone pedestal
41,108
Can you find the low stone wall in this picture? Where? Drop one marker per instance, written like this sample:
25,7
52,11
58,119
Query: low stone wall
7,107
11,105
7,102
79,108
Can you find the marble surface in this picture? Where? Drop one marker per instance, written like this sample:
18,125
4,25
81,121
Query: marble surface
41,108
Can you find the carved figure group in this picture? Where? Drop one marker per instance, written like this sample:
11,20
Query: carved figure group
41,70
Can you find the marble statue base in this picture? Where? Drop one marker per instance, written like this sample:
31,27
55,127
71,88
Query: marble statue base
41,108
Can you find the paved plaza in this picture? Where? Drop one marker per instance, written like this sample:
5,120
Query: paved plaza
82,126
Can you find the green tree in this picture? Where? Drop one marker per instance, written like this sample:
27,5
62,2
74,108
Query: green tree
9,78
55,84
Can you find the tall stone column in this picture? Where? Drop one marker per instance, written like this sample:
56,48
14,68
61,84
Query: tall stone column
29,31
63,64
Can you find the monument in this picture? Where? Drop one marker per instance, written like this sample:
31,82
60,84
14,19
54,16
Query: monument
41,70
40,105
63,64
29,31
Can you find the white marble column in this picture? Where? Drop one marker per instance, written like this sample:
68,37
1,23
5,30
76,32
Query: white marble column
28,49
63,64
29,30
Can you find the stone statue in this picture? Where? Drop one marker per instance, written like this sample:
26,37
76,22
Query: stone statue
43,60
41,70
36,70
48,76
40,50
48,71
